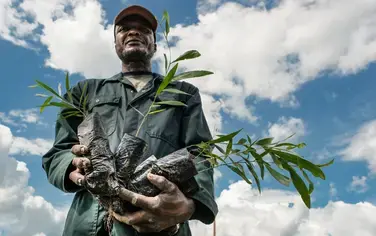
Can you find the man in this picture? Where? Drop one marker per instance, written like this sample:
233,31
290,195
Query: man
121,101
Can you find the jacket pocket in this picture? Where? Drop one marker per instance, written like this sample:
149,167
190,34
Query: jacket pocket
107,107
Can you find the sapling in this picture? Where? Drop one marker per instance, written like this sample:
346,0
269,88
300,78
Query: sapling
127,167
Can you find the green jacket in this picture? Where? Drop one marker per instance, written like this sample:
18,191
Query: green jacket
116,100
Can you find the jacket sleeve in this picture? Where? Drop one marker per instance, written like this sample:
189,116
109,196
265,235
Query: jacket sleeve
57,162
195,130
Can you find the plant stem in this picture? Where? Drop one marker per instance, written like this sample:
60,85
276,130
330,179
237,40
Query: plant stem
145,116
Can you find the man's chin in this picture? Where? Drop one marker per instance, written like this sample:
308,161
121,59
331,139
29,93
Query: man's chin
135,54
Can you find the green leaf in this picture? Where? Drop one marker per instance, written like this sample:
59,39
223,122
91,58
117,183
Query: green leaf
48,88
177,91
310,186
278,176
156,111
167,79
249,139
326,164
44,105
305,164
299,184
70,114
83,93
260,162
253,172
265,141
166,61
241,141
235,151
61,104
191,74
188,55
224,138
84,103
220,149
171,103
229,148
41,95
67,87
276,160
166,17
239,170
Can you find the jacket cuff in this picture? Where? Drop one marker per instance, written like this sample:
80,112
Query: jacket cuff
206,209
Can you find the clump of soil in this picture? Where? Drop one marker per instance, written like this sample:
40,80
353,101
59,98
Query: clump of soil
127,167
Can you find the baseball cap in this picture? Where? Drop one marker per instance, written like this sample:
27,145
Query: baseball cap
137,10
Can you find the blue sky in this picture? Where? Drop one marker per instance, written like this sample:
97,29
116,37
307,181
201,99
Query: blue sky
327,97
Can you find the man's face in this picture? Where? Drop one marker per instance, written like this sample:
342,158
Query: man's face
134,40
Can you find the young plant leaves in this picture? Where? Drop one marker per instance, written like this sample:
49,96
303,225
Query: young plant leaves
284,180
326,164
253,172
191,74
48,88
67,87
165,62
177,91
171,103
299,184
166,17
167,79
187,55
157,111
297,160
265,141
224,138
44,105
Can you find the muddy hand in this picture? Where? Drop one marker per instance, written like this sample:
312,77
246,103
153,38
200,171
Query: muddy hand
158,213
82,165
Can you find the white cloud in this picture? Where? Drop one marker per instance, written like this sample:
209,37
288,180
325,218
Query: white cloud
286,127
20,118
358,184
217,175
21,212
242,212
332,190
362,146
270,54
211,109
23,146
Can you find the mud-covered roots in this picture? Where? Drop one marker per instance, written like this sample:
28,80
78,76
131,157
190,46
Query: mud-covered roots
128,168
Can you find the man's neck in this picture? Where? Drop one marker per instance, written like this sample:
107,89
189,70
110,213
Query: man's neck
136,67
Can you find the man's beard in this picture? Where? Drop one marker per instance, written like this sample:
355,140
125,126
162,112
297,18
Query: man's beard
136,56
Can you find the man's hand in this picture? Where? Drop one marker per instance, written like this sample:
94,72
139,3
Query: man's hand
82,164
163,211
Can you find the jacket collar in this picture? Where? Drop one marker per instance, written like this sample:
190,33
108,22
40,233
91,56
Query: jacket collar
119,76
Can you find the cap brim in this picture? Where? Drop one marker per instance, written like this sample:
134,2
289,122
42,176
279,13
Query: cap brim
137,10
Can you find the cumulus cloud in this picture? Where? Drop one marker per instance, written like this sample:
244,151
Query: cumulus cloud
20,118
242,212
269,54
358,184
286,127
23,146
362,146
332,190
255,53
22,212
